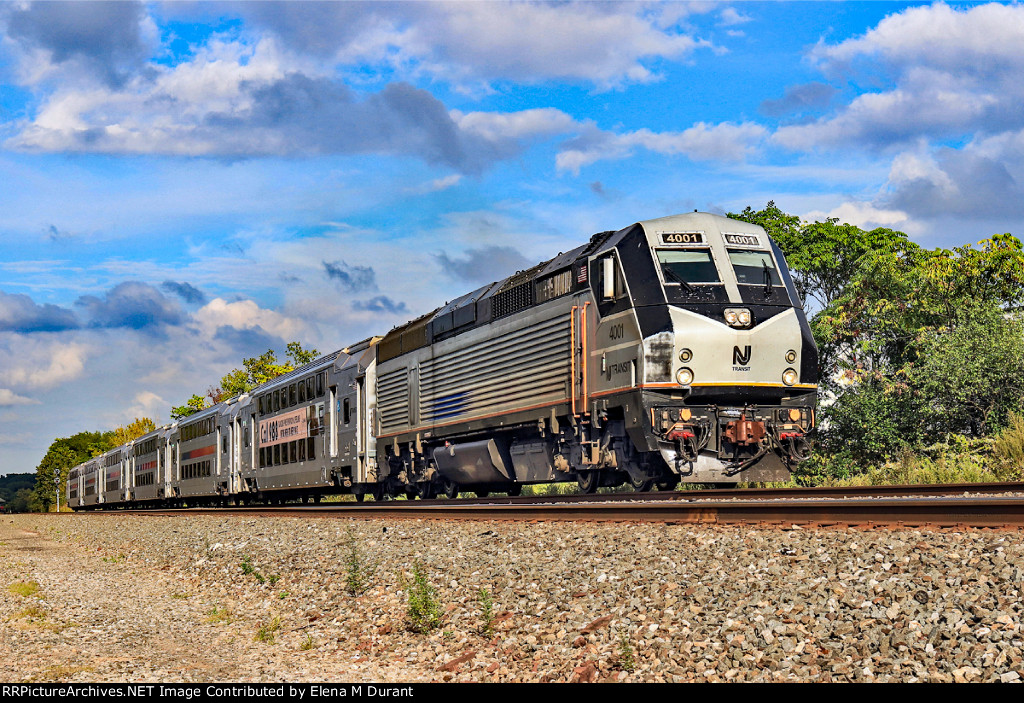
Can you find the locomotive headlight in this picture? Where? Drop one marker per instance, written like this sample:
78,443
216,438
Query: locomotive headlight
791,356
789,377
685,355
684,377
737,317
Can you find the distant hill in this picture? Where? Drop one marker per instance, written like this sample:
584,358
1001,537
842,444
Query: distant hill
12,483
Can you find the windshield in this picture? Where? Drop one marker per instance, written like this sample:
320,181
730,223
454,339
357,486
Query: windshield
750,267
690,266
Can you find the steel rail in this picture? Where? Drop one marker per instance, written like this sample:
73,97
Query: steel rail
927,512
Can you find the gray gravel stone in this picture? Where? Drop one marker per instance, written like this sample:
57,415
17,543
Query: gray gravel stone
126,597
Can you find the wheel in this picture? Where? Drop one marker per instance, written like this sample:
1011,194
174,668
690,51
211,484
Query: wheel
428,491
482,494
378,492
451,489
516,490
360,497
305,499
316,498
588,480
642,484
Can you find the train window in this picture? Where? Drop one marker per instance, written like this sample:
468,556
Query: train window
302,391
319,385
346,412
224,444
309,388
259,402
293,396
310,448
302,450
686,267
277,455
610,283
754,267
277,401
293,450
245,435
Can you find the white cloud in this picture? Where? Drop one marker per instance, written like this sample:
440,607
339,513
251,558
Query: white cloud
863,215
246,315
701,142
9,397
147,404
525,124
606,44
947,72
32,362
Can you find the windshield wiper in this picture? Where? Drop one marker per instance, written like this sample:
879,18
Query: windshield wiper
767,279
669,273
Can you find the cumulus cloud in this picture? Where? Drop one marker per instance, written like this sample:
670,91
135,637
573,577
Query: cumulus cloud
104,39
34,363
985,178
131,304
487,42
218,314
242,101
948,72
19,313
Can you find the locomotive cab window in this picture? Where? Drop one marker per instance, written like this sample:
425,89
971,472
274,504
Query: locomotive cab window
610,284
754,268
687,267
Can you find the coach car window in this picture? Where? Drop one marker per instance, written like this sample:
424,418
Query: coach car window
293,395
754,267
686,267
302,391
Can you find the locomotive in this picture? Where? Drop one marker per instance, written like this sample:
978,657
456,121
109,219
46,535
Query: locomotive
675,349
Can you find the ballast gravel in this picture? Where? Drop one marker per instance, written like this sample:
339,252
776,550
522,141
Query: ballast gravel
133,598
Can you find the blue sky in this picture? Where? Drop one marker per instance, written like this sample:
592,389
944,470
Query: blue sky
183,185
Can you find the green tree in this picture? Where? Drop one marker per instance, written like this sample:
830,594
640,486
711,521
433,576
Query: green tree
191,406
133,430
52,473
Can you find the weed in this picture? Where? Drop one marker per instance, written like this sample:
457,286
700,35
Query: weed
486,612
307,644
267,631
358,570
33,612
423,610
273,579
24,588
249,570
219,615
283,594
114,559
180,596
627,661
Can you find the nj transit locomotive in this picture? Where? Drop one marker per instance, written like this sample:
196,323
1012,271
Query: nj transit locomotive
674,349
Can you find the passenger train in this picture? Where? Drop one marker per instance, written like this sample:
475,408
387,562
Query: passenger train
675,349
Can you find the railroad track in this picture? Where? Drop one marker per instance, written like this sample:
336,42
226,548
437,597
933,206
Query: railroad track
944,507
